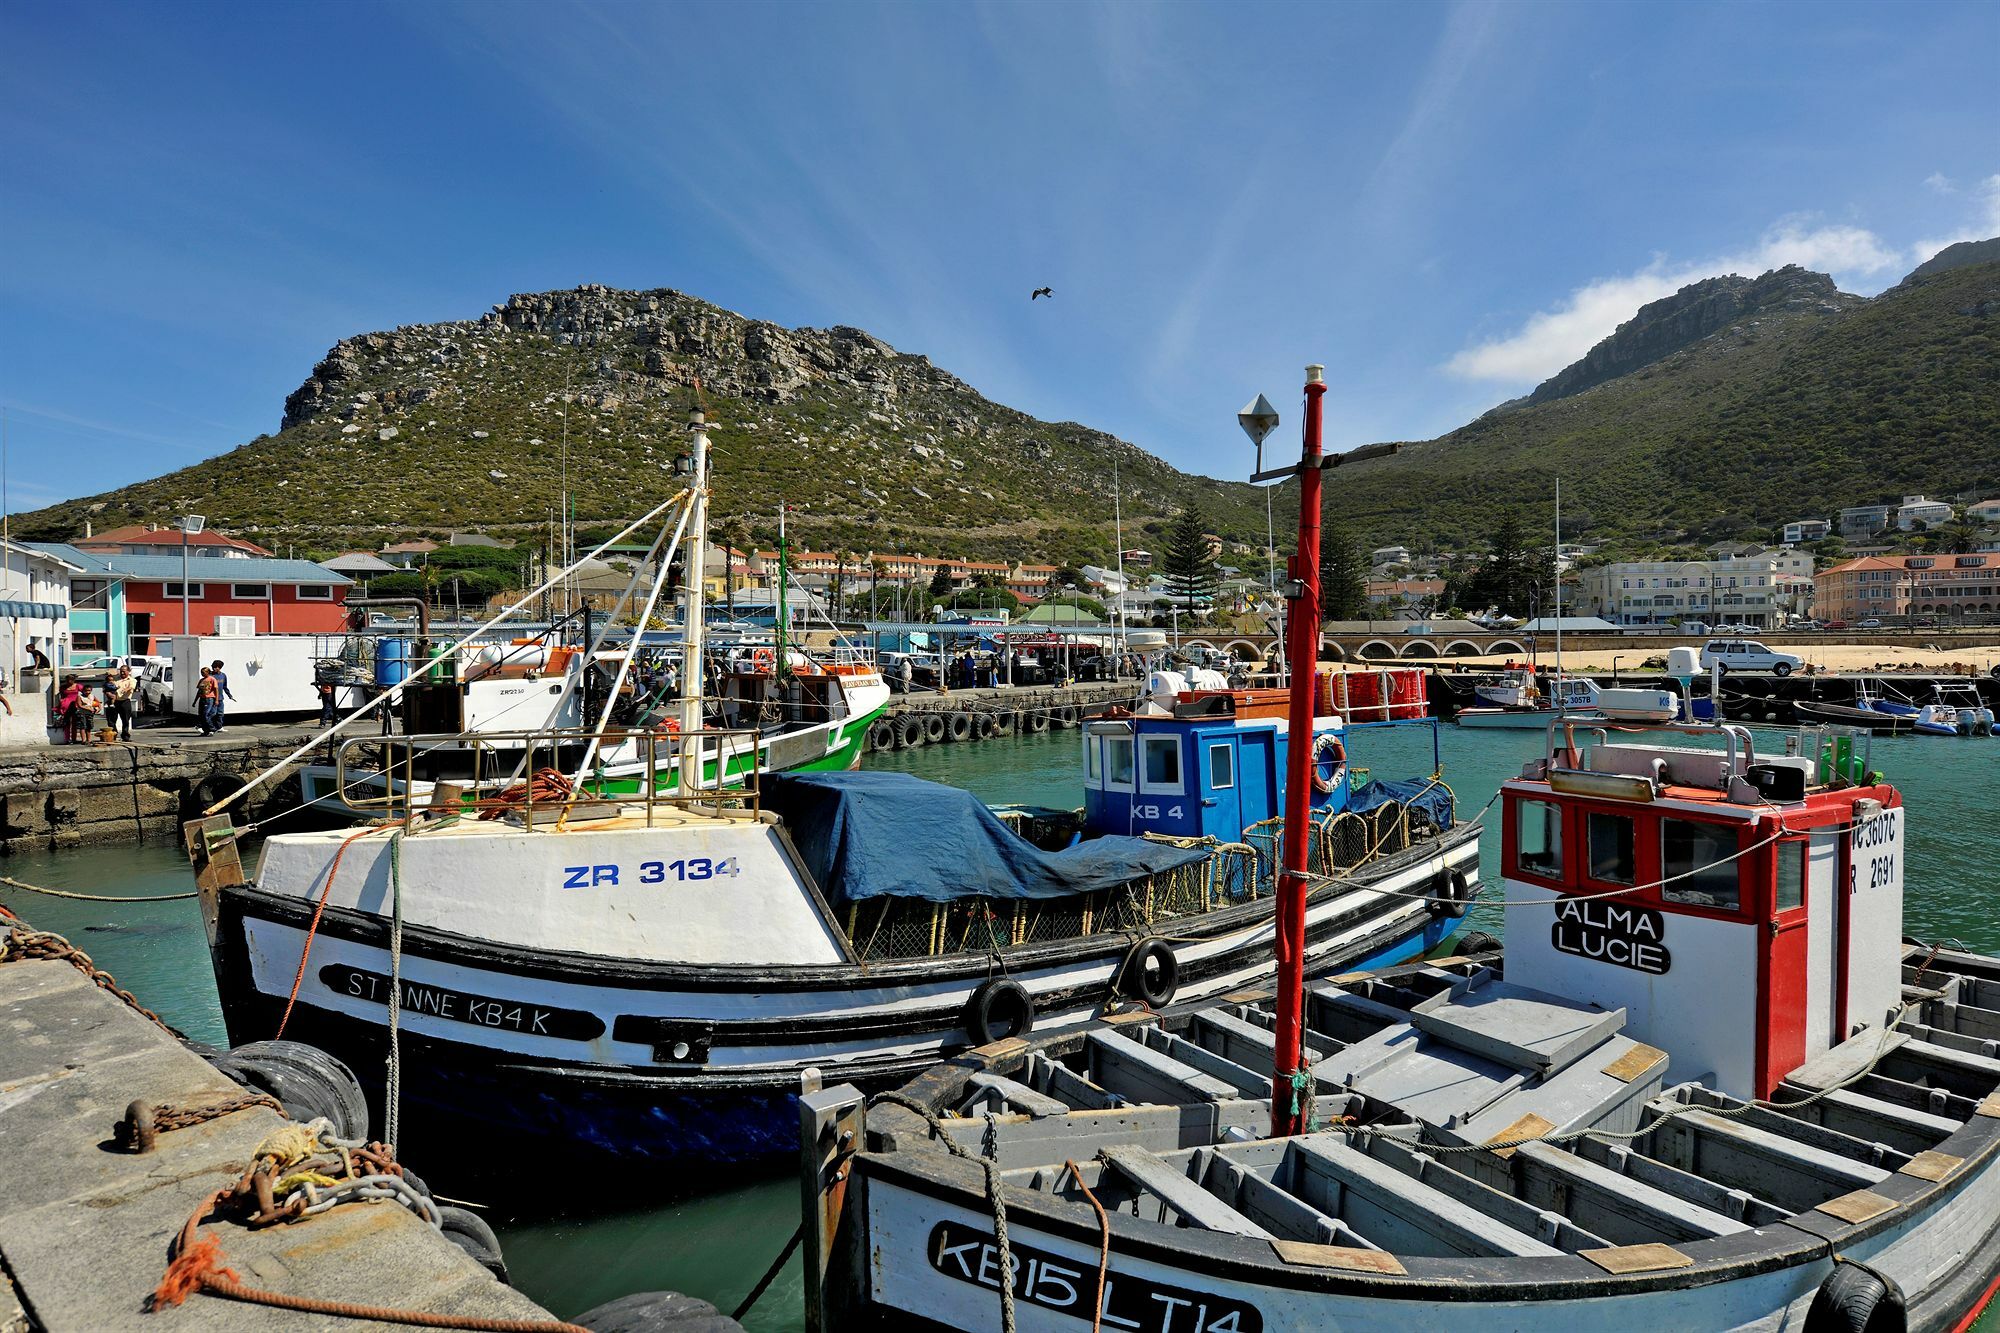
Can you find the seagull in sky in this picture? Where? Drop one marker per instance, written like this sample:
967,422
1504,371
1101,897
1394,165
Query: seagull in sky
1040,292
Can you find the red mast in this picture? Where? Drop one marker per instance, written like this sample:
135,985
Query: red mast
1302,649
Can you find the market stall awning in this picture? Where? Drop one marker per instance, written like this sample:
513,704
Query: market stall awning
33,611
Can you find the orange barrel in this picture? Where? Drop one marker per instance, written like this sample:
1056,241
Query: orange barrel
1364,696
1407,693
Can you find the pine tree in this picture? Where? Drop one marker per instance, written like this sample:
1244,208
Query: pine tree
1343,576
1189,565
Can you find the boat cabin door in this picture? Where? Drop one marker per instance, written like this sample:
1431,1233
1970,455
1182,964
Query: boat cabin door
1812,864
1221,799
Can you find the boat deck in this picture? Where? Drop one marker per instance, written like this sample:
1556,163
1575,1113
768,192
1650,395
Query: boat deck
1465,1132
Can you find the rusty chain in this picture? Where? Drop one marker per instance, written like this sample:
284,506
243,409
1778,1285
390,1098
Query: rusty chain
21,945
145,1121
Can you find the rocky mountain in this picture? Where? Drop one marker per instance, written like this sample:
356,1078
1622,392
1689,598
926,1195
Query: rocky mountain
1696,311
1735,403
1805,401
436,427
1961,255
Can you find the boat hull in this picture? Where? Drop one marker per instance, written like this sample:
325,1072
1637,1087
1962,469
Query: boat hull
665,1064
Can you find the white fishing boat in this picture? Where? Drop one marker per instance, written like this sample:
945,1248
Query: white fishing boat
1523,699
651,979
1707,1085
483,702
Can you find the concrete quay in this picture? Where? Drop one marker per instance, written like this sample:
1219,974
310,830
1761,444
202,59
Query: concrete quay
85,1226
70,795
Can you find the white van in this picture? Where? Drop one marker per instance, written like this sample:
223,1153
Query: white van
1747,655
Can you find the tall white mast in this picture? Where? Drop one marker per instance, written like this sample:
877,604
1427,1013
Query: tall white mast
694,617
1118,536
1557,567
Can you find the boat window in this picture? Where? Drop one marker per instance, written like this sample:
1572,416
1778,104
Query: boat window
1697,863
1538,838
1163,761
1610,847
1093,762
1791,874
1118,760
1221,767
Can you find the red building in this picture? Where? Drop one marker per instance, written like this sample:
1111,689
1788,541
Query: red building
138,597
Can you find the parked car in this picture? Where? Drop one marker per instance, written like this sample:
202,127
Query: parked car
1747,655
1870,623
1834,624
156,688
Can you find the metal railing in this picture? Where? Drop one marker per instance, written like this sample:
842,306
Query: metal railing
507,772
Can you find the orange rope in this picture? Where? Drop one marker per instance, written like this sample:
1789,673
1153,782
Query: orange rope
1104,1245
312,930
547,785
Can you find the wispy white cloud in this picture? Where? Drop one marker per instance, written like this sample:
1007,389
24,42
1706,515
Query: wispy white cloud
1552,339
1985,223
1941,183
1469,31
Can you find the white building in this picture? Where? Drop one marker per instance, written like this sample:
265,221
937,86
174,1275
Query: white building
1986,511
34,615
1863,520
1389,555
1748,589
1806,530
1917,514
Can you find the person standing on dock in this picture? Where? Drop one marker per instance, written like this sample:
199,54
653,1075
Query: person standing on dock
221,691
328,713
205,698
121,690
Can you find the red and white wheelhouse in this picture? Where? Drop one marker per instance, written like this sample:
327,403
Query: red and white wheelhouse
1745,912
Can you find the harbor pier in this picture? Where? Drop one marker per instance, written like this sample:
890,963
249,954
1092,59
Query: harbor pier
86,1224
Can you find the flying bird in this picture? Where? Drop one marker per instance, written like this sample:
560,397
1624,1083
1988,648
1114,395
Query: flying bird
1040,292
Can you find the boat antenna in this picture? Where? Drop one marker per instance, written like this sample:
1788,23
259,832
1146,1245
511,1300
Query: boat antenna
1556,571
566,535
1118,537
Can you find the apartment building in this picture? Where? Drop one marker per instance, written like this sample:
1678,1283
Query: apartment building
1904,585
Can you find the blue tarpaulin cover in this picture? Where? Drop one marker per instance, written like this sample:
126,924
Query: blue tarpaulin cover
1416,793
872,835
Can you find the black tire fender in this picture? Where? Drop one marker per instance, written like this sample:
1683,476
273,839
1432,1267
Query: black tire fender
959,728
1151,973
1476,941
910,731
1037,723
468,1230
934,727
999,1008
1857,1299
987,725
1451,893
882,734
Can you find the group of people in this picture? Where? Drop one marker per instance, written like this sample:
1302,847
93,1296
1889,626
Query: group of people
77,711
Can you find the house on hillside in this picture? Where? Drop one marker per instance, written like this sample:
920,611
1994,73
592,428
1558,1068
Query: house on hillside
1805,530
359,565
1917,514
153,539
409,554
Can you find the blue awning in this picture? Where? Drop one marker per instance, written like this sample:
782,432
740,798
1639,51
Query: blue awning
33,611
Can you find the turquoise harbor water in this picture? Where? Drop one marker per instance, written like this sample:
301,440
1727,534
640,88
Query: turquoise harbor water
716,1243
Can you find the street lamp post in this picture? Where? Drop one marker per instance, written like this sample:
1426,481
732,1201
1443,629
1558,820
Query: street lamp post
190,524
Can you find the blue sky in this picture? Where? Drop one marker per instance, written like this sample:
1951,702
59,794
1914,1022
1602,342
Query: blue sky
1444,203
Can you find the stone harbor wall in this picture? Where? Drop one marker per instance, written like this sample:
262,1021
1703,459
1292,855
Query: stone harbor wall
72,795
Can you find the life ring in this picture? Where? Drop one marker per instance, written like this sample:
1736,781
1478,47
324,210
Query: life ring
763,659
1000,1008
1151,973
1857,1299
1325,779
1451,893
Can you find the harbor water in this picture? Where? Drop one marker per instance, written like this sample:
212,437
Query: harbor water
716,1242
